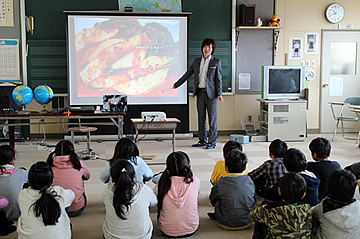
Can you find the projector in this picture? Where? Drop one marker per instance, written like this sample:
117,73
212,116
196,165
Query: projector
153,116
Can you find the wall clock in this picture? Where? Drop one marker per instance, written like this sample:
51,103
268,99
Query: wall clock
335,13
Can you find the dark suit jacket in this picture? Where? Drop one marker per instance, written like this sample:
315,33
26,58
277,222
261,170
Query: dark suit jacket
213,77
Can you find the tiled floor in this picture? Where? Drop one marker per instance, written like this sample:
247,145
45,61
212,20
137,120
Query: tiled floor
89,224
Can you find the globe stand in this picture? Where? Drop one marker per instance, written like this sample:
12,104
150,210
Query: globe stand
45,111
23,111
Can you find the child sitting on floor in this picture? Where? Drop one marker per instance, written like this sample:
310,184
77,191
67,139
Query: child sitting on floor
127,204
6,227
271,170
219,169
12,181
126,149
287,218
320,149
177,193
69,173
338,214
43,206
233,196
295,161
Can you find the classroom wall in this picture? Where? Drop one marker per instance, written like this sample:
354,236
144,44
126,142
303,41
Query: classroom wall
297,18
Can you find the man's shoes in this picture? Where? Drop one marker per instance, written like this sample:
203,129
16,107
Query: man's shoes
210,146
211,215
199,145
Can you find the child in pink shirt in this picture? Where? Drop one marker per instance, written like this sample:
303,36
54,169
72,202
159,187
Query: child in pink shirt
177,192
69,173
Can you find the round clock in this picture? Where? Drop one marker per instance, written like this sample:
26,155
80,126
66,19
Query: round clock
335,13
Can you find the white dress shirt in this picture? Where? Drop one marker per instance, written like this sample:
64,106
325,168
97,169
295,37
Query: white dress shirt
204,65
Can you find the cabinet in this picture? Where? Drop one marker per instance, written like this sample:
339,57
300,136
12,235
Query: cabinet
284,120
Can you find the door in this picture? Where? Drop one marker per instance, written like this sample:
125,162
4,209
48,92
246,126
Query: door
340,77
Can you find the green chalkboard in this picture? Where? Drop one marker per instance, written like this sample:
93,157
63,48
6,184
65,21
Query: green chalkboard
209,19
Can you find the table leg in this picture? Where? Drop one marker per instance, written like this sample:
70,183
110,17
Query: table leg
173,140
11,134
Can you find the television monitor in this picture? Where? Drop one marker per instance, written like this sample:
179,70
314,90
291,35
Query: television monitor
283,82
134,54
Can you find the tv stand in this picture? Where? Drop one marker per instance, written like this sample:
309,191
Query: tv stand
283,119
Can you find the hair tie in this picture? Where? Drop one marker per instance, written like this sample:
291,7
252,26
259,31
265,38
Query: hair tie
123,170
62,148
43,189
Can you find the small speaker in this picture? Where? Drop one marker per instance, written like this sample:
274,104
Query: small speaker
58,104
246,15
4,104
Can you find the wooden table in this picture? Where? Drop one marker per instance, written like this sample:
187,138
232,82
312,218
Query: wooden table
117,119
168,124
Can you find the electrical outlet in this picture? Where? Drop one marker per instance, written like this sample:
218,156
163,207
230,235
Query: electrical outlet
313,63
307,63
249,118
302,63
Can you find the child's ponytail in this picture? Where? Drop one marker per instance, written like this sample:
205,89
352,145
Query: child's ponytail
63,148
40,178
177,164
122,174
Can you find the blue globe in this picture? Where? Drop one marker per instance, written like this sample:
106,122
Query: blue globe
43,94
22,95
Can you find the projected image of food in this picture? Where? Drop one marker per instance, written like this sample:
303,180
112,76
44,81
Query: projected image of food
128,56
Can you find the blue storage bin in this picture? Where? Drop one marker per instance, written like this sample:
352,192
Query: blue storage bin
242,139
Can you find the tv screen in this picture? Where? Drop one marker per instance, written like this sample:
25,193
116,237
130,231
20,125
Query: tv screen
283,82
140,56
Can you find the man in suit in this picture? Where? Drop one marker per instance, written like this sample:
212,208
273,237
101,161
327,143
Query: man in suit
208,89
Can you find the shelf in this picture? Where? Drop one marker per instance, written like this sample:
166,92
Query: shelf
276,33
256,28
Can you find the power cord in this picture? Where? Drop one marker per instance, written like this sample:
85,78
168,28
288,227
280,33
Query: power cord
147,130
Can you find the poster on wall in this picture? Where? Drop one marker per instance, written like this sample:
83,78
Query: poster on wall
311,43
295,48
9,60
6,13
151,5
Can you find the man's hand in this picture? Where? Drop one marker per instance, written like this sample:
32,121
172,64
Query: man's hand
174,87
221,99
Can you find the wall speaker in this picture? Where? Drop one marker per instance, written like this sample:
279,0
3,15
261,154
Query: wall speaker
58,104
246,15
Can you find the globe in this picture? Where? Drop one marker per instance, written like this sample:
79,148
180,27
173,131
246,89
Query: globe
22,95
43,94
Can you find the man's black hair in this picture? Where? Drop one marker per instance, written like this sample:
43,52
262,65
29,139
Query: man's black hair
321,146
294,161
235,161
292,187
230,145
278,148
208,42
342,185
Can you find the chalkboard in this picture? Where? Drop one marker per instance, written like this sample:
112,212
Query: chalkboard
209,19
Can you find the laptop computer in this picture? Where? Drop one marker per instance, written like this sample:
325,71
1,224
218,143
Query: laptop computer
114,103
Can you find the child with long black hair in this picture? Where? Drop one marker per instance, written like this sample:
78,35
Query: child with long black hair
127,204
177,193
43,206
69,173
126,149
12,180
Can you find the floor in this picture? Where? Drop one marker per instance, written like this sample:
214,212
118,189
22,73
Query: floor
89,223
